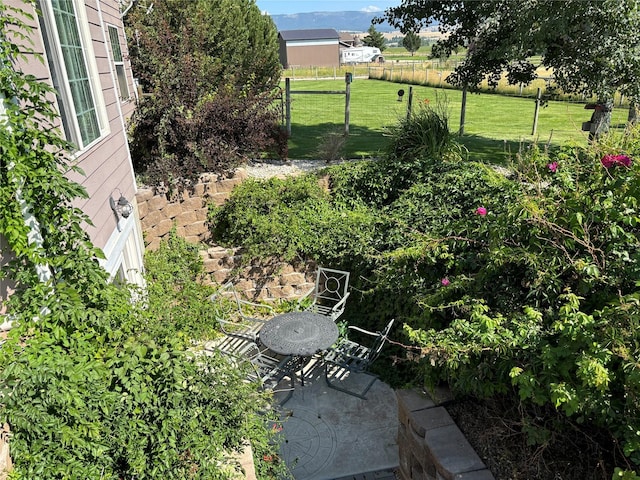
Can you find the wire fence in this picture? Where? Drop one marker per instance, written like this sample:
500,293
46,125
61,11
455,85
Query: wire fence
376,105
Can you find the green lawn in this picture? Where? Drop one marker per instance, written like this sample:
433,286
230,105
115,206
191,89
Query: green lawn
494,124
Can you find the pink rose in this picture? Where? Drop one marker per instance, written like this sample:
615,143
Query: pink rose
609,161
553,166
481,211
445,281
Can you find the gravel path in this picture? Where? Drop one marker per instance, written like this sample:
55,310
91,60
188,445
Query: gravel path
267,168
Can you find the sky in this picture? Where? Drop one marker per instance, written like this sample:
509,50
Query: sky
279,7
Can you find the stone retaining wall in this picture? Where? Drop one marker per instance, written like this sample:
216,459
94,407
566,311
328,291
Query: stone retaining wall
188,212
266,281
430,444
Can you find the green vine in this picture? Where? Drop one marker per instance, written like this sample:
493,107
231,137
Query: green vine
88,390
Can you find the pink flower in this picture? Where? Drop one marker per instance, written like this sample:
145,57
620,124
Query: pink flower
553,166
481,211
445,281
609,161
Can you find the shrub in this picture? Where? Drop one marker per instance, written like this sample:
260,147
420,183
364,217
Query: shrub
424,135
211,70
291,219
173,144
417,143
331,147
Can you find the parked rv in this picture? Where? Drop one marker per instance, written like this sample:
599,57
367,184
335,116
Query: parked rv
360,55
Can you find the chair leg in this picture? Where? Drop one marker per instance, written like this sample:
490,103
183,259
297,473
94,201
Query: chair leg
290,394
361,394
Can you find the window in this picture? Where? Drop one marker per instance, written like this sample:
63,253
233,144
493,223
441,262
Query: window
73,70
114,38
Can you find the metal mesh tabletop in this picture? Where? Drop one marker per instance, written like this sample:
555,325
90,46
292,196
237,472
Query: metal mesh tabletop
299,333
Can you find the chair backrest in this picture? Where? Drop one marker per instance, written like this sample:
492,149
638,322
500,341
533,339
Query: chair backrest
331,286
379,342
230,301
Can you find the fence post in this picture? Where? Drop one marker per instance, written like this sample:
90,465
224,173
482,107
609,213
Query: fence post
287,103
347,102
535,115
463,110
409,102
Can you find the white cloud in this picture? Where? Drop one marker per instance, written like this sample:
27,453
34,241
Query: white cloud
371,9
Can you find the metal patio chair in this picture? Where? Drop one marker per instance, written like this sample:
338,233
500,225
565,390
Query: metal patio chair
236,316
263,366
350,357
330,293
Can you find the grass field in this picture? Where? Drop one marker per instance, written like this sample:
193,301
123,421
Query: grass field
494,124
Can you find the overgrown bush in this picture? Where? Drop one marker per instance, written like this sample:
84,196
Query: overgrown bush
519,283
417,143
292,219
177,302
564,260
173,143
211,71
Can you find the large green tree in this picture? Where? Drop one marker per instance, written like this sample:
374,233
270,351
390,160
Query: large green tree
411,42
210,67
591,45
374,38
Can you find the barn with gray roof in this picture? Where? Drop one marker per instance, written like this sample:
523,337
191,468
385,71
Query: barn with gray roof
311,47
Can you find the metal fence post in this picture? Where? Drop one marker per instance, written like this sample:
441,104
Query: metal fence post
535,114
347,102
287,102
463,110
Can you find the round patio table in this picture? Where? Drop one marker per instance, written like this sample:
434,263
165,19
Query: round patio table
301,334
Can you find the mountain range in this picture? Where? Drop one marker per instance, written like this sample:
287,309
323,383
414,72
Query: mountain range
340,21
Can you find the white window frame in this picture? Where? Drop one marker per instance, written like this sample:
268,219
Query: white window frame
126,95
60,76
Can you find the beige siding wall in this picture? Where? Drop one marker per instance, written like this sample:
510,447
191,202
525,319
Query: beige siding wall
320,56
106,163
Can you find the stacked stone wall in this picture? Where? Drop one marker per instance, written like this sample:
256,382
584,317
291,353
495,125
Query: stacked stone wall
187,211
430,444
266,281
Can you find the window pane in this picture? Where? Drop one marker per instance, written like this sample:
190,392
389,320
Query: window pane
115,44
122,82
74,60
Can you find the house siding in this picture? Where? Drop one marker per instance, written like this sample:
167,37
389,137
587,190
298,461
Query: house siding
106,162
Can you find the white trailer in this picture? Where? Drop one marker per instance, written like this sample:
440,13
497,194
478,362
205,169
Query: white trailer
360,55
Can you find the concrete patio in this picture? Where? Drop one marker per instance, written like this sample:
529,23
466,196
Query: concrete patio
329,435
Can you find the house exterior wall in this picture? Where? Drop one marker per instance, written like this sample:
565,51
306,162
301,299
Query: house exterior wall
106,160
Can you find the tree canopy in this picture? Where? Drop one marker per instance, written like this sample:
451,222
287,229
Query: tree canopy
211,67
225,42
374,39
411,42
591,45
